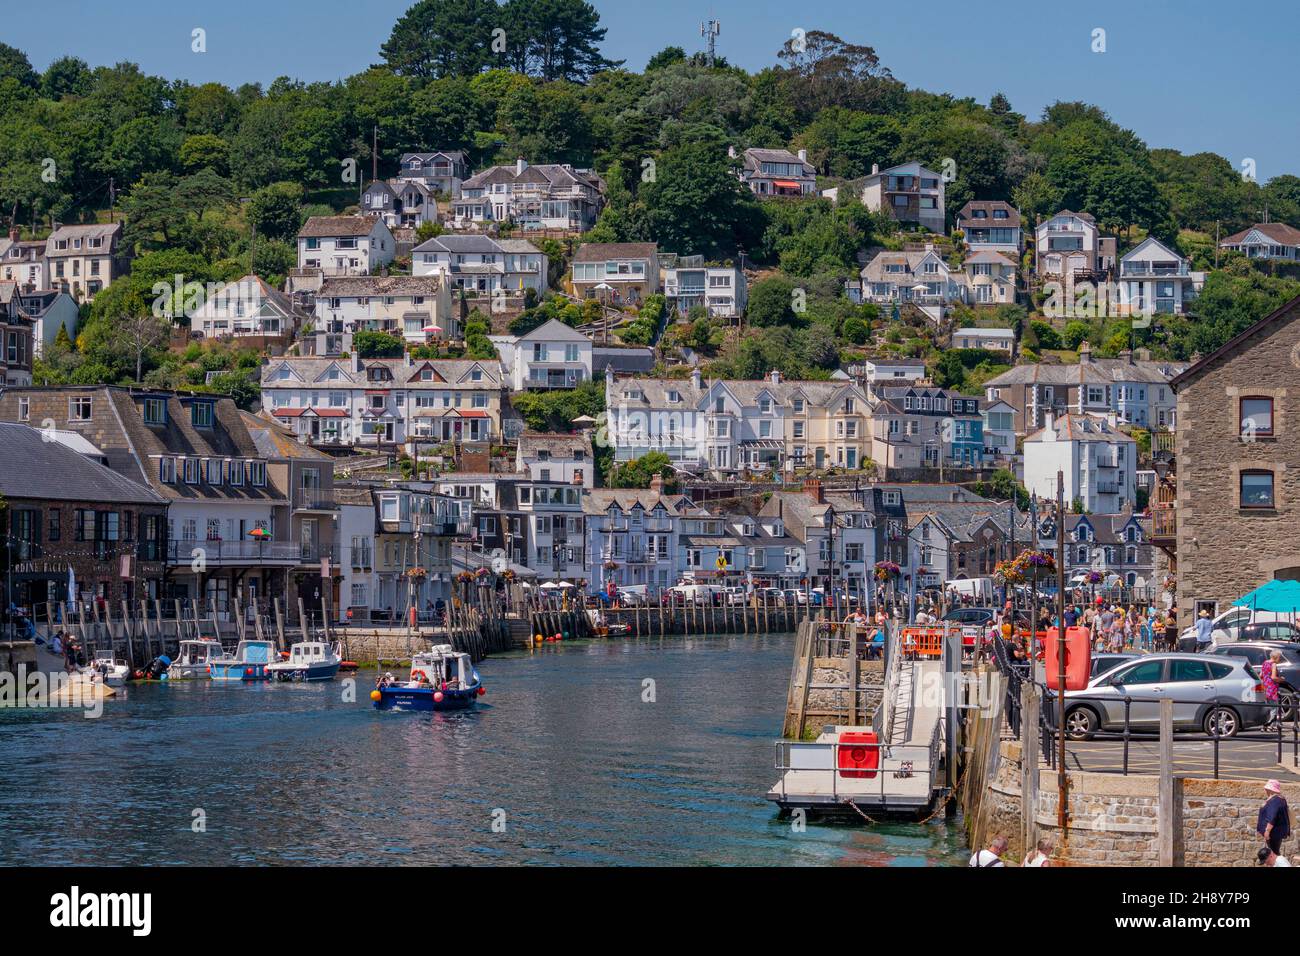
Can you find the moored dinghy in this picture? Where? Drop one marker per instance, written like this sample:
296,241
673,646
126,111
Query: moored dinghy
442,678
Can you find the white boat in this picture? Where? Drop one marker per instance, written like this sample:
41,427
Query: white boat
112,671
194,658
308,660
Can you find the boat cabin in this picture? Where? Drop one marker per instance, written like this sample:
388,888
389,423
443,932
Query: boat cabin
307,652
442,664
198,652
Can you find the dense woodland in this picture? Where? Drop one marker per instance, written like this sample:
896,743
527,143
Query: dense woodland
194,170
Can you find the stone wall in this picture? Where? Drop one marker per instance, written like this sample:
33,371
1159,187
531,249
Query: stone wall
1114,819
1225,550
826,702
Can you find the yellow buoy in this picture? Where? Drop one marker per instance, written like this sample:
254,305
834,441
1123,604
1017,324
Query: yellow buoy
537,638
375,695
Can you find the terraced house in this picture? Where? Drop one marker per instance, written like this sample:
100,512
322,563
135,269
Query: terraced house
729,426
918,426
420,309
384,402
84,259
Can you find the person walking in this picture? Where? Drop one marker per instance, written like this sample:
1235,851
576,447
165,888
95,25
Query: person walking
992,856
1171,632
1274,823
1268,676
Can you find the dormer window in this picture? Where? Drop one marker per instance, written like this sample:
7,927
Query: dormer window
674,397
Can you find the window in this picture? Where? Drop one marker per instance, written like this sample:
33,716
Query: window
56,524
214,470
79,409
201,414
191,471
1257,489
155,411
24,409
167,470
1256,418
1148,672
235,470
257,473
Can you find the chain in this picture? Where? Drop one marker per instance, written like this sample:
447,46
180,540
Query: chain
943,804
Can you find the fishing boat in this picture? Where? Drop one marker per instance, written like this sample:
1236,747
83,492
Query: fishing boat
442,678
251,661
308,660
113,672
193,659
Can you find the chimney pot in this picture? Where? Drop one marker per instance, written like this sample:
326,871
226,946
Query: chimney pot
875,168
657,483
775,376
813,488
520,165
803,155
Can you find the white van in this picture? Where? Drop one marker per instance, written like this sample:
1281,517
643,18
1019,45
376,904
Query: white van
1226,628
697,593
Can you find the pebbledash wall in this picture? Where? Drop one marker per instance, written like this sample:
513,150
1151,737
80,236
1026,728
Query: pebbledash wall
1225,550
1114,820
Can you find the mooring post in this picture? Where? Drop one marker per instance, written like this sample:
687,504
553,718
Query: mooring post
1166,815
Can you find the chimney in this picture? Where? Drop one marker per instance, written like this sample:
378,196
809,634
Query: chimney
609,376
14,234
875,169
1085,351
356,362
731,152
803,155
813,488
697,380
775,376
657,483
520,166
410,359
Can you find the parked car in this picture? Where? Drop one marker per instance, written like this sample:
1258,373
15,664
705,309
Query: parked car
1269,631
1219,696
633,595
795,596
1226,628
735,596
1105,662
772,597
1256,652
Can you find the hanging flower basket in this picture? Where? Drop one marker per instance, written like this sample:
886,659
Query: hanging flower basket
417,572
465,577
507,575
1170,584
611,565
887,571
481,573
1094,577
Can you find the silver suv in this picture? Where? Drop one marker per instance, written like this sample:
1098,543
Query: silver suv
1218,695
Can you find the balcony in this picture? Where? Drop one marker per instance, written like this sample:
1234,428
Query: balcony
313,499
1164,525
1137,270
227,553
316,553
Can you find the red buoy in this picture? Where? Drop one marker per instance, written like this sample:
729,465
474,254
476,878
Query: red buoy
482,691
437,696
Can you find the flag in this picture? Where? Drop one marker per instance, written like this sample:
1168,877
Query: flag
72,587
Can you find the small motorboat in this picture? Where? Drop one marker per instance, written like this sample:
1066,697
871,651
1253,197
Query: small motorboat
308,660
193,659
442,678
111,671
250,662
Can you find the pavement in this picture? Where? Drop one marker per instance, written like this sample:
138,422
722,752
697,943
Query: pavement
1248,756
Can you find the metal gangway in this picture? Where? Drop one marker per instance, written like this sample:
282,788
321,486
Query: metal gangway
905,769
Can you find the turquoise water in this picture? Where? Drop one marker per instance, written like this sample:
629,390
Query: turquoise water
564,762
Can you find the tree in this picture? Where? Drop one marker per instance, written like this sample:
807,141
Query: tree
559,39
437,38
369,344
638,472
275,211
698,207
666,57
770,302
142,333
14,65
827,71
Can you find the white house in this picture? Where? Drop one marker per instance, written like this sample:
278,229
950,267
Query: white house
1070,244
1266,240
563,458
990,278
483,265
345,245
720,289
549,196
23,262
1098,461
1154,278
999,430
400,203
553,355
920,276
441,171
997,340
49,310
418,308
245,307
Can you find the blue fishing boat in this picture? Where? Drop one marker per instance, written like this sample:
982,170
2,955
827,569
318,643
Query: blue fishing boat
251,661
442,678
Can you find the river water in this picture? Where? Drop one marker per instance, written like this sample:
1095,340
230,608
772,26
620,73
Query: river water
567,760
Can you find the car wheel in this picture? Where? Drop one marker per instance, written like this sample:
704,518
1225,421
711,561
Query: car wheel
1222,722
1287,711
1080,723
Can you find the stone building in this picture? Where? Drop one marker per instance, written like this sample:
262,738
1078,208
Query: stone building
1238,488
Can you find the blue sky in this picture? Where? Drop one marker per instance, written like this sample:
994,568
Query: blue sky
1167,73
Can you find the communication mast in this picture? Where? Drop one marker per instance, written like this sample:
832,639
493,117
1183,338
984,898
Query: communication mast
710,30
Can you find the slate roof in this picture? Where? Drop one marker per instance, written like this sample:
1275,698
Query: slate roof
1081,428
345,287
560,445
967,212
601,251
32,468
274,441
1279,232
110,232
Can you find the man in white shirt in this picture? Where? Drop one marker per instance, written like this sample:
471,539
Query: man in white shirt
1266,857
992,856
